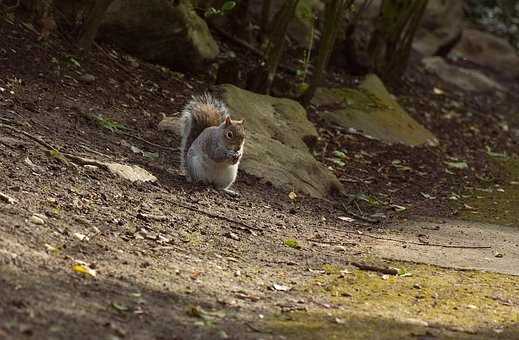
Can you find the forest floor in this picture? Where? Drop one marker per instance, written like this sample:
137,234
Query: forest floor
85,254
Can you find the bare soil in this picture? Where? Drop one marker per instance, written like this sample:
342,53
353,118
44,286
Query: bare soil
176,261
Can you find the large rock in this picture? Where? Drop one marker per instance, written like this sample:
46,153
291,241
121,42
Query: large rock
160,31
466,79
489,51
440,28
372,110
274,149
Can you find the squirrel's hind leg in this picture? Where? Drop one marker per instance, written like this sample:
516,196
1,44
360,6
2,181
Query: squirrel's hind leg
231,193
226,177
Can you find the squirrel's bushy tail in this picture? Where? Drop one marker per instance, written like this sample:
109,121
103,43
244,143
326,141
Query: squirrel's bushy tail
200,113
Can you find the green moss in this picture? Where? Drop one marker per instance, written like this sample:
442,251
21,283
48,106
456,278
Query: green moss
368,304
292,244
496,204
372,109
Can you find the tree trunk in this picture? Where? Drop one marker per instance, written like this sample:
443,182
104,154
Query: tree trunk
265,15
334,13
391,42
92,24
276,44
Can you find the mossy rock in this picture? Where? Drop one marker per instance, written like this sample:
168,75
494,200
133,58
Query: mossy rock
275,150
371,110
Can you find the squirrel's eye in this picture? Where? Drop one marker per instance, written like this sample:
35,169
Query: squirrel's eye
229,134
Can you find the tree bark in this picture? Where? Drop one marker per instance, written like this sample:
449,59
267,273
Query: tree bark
265,15
276,44
391,42
334,13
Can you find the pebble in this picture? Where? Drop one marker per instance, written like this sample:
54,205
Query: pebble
87,78
37,220
7,199
340,248
232,235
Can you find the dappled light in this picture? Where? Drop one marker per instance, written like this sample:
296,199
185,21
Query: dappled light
259,169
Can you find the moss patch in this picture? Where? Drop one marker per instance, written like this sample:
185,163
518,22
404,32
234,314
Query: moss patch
493,203
369,304
370,108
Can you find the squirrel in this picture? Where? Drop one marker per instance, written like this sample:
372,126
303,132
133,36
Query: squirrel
212,143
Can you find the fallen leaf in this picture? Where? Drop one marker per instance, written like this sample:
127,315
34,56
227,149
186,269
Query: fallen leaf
80,236
51,249
281,288
495,154
404,273
457,165
337,161
454,197
340,154
37,220
438,91
7,199
429,197
398,208
120,307
292,244
83,268
346,219
339,321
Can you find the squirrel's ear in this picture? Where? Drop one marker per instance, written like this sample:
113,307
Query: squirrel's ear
227,120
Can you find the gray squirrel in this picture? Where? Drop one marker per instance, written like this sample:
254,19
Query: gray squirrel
212,143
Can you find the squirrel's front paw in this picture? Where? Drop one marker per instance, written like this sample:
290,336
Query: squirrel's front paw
236,157
231,193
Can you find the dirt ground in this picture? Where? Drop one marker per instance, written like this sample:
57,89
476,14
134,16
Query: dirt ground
85,254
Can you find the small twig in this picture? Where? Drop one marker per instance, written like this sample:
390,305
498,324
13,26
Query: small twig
7,120
333,243
371,268
7,199
10,8
95,152
323,153
170,247
92,118
251,48
255,329
159,218
357,216
240,225
27,120
34,138
145,141
117,62
49,147
238,41
460,246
